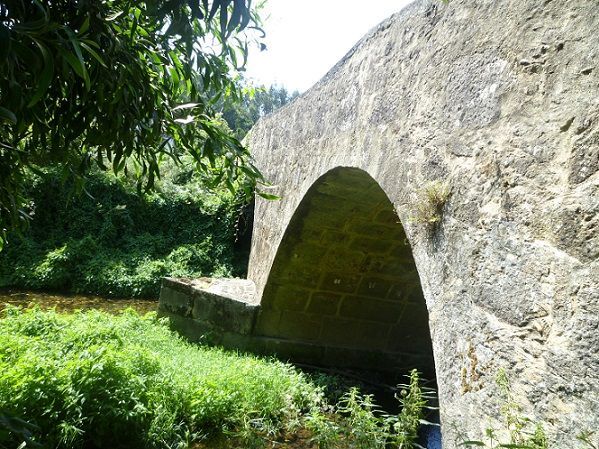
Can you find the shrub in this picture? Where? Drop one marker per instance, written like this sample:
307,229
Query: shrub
113,241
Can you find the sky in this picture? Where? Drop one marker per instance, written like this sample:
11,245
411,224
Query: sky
306,38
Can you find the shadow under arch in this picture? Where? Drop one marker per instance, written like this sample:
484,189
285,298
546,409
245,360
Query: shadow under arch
343,290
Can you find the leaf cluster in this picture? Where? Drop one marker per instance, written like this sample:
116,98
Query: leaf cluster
120,85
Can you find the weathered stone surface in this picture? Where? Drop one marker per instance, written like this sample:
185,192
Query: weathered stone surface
499,100
220,305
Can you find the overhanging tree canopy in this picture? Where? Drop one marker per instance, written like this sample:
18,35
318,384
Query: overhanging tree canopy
118,83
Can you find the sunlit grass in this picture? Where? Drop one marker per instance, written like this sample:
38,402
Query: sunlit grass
96,380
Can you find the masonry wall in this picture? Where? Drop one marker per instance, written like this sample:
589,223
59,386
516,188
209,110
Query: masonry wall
499,100
345,279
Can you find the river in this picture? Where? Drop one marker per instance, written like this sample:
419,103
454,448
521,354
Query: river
70,303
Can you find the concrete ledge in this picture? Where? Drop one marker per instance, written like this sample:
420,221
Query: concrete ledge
217,304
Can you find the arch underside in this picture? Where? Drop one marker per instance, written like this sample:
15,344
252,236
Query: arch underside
344,281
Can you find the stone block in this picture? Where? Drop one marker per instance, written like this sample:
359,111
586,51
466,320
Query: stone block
175,301
405,291
363,359
324,303
411,333
224,313
334,238
401,269
403,340
345,332
343,260
371,245
374,287
289,350
306,254
371,309
298,325
267,322
290,297
305,276
340,282
369,228
389,217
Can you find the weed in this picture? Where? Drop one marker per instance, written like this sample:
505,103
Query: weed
523,432
358,422
326,432
429,203
365,429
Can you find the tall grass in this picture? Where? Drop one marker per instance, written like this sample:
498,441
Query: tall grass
94,380
99,381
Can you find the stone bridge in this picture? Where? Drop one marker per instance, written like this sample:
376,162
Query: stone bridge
439,209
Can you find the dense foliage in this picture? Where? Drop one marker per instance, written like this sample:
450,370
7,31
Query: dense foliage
94,380
118,84
114,242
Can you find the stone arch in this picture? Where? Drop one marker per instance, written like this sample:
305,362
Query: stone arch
344,282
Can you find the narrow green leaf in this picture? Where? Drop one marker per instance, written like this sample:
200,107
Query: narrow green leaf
268,196
85,26
224,17
92,52
75,43
76,65
215,5
46,76
7,115
238,7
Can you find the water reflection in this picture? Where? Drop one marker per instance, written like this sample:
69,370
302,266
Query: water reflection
70,303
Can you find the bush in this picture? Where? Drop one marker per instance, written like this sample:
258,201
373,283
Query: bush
113,241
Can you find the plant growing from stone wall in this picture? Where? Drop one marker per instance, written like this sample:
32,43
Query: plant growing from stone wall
429,203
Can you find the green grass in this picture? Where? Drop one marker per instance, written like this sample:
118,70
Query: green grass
94,380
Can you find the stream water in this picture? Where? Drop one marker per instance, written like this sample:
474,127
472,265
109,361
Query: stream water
70,303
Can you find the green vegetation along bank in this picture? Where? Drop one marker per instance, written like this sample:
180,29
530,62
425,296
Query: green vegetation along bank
94,380
111,241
